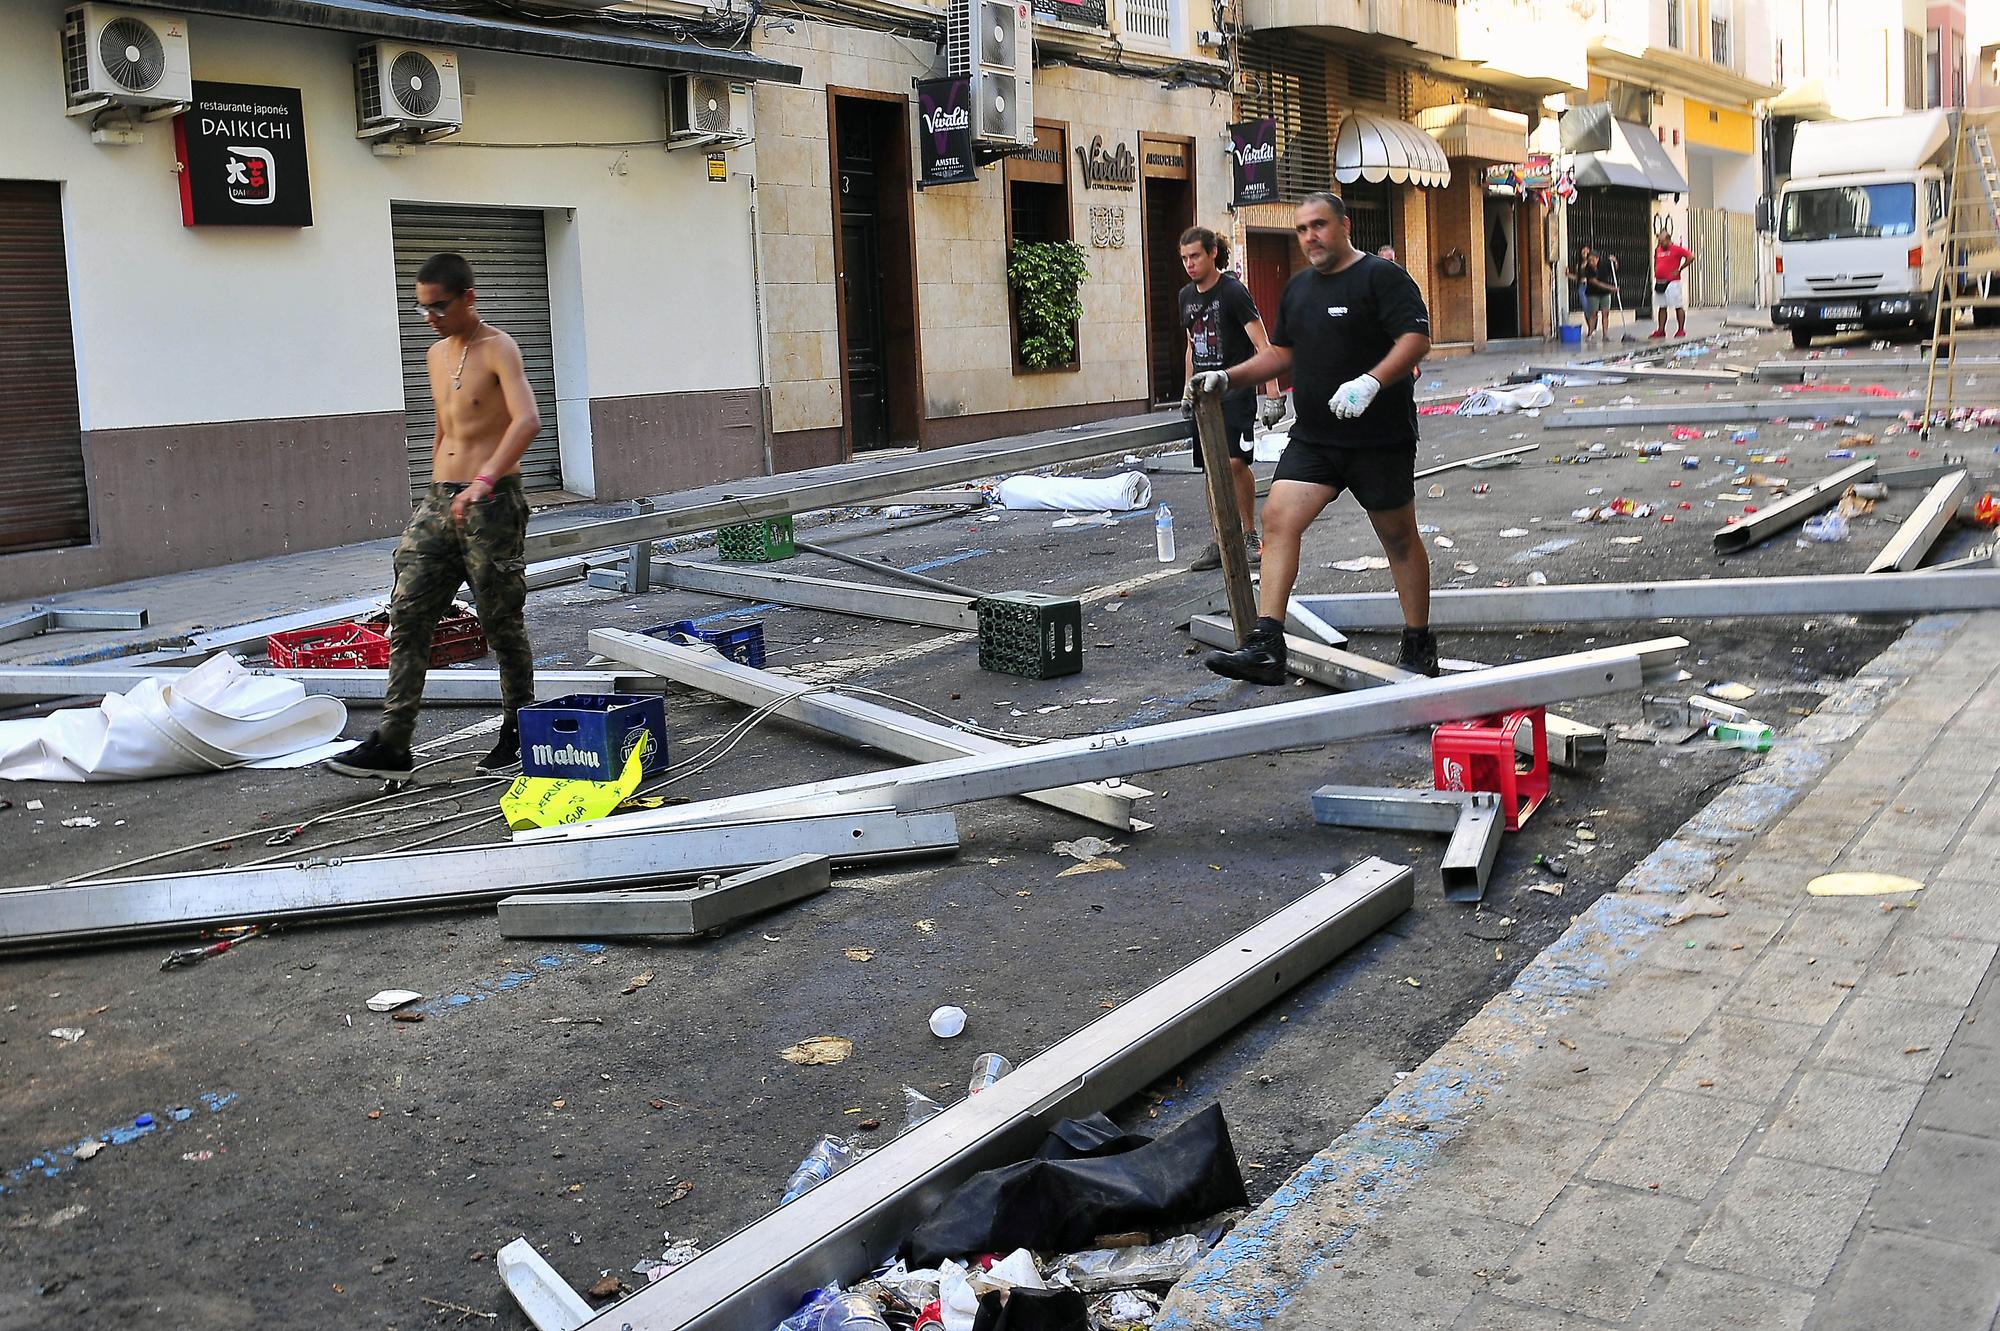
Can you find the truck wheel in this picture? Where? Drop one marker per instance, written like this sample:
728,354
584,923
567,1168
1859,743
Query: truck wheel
1802,336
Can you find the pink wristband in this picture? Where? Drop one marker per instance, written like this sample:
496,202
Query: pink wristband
485,480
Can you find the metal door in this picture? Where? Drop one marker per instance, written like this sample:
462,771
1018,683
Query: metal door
861,297
510,270
44,501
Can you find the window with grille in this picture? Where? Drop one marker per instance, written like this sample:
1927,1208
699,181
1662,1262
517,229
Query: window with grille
1674,24
1289,85
1367,79
1718,40
1913,70
1150,19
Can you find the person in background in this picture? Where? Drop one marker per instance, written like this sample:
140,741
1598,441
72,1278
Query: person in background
1669,262
1593,291
1387,252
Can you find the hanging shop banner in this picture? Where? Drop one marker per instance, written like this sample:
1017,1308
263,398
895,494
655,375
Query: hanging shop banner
242,157
1253,148
944,132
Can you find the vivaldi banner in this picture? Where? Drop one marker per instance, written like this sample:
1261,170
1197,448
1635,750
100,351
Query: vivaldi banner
1253,148
944,132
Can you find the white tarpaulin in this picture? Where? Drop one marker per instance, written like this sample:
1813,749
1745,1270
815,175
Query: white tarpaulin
1500,401
216,716
1078,494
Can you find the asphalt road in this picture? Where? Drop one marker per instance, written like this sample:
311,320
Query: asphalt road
309,1163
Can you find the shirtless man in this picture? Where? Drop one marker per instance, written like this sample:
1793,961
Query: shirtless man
469,528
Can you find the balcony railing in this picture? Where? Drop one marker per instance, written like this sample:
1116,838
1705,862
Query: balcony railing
1077,13
1718,40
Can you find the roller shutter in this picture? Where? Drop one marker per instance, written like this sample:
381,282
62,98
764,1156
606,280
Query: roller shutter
44,502
510,268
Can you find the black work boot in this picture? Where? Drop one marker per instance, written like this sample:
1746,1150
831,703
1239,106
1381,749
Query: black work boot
506,754
373,757
1261,658
1420,652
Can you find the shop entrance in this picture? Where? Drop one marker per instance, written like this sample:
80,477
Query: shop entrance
45,502
875,272
1169,210
1503,268
1269,260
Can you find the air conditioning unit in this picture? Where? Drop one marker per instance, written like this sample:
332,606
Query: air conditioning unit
706,111
125,58
999,43
407,89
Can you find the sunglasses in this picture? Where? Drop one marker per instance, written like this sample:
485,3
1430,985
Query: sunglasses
437,308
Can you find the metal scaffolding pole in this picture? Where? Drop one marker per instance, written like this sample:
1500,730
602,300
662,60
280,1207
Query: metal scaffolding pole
1919,532
446,687
852,1222
1707,598
315,886
887,570
1722,413
1471,819
903,604
682,914
856,719
1254,730
1791,510
41,619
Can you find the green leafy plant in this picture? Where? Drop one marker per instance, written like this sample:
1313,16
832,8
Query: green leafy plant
1045,276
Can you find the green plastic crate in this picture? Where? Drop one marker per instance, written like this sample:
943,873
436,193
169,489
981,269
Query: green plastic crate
1030,634
756,542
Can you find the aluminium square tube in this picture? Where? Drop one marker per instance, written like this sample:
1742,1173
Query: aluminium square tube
315,886
1474,844
1920,531
901,604
1792,509
888,570
1471,818
441,687
682,914
1203,739
1692,598
854,1221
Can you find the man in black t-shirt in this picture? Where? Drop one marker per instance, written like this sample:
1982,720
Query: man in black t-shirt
1224,328
1350,329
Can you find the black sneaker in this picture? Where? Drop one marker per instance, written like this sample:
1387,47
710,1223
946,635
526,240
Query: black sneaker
1210,557
1260,660
374,757
1420,652
506,755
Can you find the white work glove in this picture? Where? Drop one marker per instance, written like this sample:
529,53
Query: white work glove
1353,397
1270,411
1207,381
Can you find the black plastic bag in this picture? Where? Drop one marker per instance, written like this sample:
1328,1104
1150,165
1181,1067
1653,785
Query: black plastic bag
1032,1310
1061,1205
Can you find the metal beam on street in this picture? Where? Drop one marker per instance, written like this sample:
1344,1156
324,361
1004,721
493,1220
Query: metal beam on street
858,720
868,483
1920,531
1639,372
1703,598
681,914
855,1220
1722,413
1791,510
40,619
902,604
316,886
1573,746
1794,370
1203,739
475,687
1470,818
887,570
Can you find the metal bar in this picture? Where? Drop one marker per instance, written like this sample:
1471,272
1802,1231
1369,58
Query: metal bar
1794,370
1639,372
855,1220
1219,476
545,1297
869,484
73,617
1791,510
316,886
1720,413
1388,808
1238,734
856,719
928,609
30,625
1494,456
890,570
446,687
1300,620
682,914
1573,746
1704,598
1909,478
1474,844
1919,532
963,497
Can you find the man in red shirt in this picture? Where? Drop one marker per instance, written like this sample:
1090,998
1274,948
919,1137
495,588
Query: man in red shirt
1669,262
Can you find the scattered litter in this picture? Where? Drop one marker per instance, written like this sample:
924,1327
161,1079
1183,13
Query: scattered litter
1504,401
1365,564
1827,528
828,1157
1539,578
88,1149
1077,494
1856,884
1462,567
1703,908
197,1157
81,820
1102,1269
67,1034
1514,532
1085,848
818,1050
636,983
1731,692
948,1022
390,999
1627,540
1098,865
1446,543
1435,492
860,954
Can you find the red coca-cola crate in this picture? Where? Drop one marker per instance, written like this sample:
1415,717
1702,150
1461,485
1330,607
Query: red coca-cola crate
457,638
364,644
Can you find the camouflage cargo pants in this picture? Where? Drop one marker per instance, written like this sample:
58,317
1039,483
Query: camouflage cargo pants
433,558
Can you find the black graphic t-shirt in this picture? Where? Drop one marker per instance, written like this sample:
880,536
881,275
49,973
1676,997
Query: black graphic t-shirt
1340,325
1214,321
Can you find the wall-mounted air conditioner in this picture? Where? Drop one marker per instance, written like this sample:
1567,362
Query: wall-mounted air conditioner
993,42
407,89
706,111
126,58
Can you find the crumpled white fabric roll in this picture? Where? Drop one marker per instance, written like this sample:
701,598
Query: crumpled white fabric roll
216,716
1078,494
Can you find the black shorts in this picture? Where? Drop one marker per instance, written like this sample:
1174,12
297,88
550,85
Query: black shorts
1239,425
1381,477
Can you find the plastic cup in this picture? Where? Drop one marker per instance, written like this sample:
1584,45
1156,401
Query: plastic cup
947,1022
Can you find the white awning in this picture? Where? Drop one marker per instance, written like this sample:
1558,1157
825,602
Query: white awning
1376,148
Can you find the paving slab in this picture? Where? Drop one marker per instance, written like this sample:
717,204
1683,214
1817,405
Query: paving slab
1840,1120
1964,1095
1676,1142
1741,1058
1789,984
1941,1185
1598,1250
1900,1280
1419,1271
1885,1037
1966,905
1782,1221
1923,968
1716,1302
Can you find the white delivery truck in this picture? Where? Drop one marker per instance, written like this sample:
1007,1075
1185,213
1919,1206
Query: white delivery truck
1862,225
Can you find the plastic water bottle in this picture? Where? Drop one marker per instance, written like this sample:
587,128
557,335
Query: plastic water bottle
851,1312
827,1158
1163,533
1748,733
987,1069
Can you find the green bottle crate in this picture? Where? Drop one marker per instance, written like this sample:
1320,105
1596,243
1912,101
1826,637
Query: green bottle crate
1030,634
756,542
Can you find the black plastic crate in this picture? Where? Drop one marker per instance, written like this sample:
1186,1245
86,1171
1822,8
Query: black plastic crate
1030,634
756,542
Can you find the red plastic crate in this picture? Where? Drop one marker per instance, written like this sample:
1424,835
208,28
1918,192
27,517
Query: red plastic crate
457,637
364,645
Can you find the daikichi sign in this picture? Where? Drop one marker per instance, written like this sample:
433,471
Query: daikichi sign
242,157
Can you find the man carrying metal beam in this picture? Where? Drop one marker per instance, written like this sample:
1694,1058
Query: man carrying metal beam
1350,329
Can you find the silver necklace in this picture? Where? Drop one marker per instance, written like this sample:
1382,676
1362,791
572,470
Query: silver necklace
458,374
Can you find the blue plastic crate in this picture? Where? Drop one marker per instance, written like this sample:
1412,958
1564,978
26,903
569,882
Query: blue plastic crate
742,641
588,736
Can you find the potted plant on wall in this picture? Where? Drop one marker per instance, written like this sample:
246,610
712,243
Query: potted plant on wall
1045,276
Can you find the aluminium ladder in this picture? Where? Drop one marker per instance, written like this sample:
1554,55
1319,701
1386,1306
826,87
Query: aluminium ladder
1969,279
